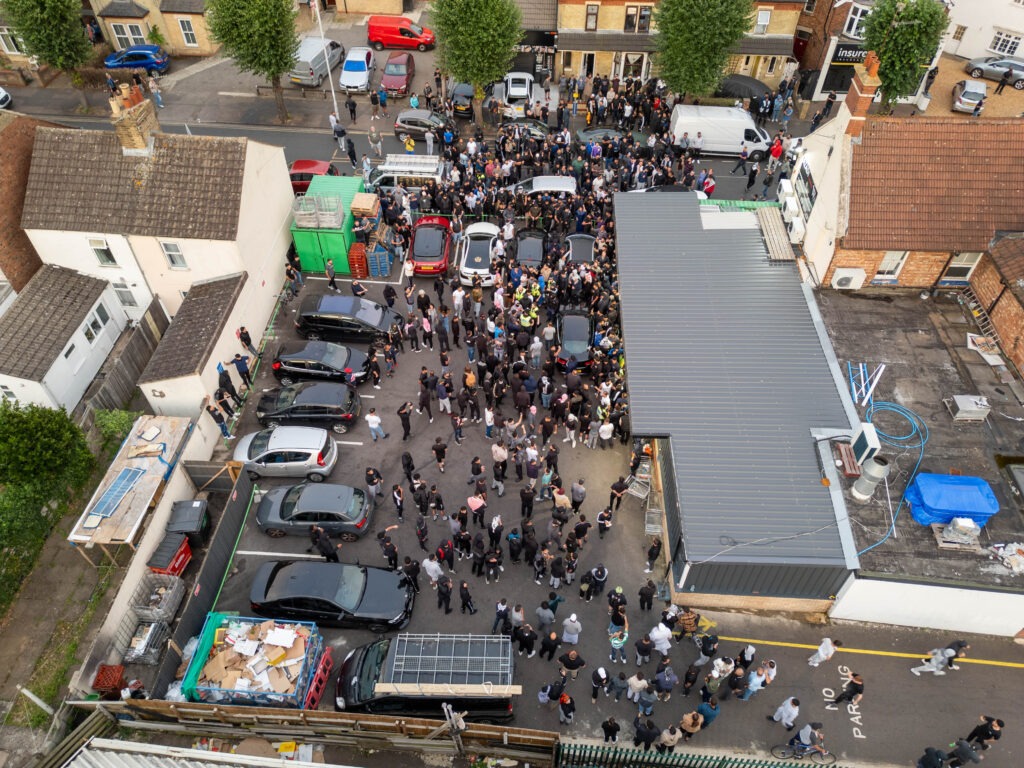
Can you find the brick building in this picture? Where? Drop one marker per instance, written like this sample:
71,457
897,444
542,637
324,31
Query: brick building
827,43
766,51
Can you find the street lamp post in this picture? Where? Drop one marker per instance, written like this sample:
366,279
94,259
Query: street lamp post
315,5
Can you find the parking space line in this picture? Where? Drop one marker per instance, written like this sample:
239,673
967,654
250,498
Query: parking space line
348,442
252,553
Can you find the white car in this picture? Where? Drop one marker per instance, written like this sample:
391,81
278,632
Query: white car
515,92
357,71
475,253
6,102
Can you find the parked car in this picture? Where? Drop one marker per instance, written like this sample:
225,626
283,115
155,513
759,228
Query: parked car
310,404
302,172
151,58
580,248
461,95
312,65
398,32
318,360
575,338
398,74
341,510
600,134
430,250
6,102
992,68
518,86
530,248
287,452
967,94
416,123
357,71
345,318
475,253
536,129
333,595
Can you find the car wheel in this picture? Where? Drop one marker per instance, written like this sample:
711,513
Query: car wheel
253,475
348,536
319,80
379,629
757,157
339,429
287,380
312,336
1018,85
274,533
421,48
976,72
378,46
315,477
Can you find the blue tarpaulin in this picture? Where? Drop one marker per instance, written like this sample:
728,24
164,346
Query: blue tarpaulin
940,498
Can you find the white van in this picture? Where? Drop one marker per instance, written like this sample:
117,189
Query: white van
311,66
724,129
549,185
412,171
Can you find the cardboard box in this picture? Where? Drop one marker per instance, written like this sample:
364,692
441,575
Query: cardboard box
274,654
298,649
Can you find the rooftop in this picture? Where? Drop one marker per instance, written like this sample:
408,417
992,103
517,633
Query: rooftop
42,319
968,176
195,329
188,187
539,14
1008,256
924,348
726,359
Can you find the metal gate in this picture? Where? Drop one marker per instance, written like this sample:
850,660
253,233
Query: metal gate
581,755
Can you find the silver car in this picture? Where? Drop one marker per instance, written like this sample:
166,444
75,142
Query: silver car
967,94
993,67
288,452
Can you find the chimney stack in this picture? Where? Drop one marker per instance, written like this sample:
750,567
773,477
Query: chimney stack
134,119
862,93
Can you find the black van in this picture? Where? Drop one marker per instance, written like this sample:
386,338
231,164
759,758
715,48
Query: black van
344,318
413,675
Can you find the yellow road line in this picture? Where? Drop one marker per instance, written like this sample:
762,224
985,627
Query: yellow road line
869,652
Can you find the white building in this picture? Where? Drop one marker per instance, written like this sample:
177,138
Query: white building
985,28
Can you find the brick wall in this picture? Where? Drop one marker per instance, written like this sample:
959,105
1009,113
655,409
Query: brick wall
18,259
986,281
1008,318
921,269
823,27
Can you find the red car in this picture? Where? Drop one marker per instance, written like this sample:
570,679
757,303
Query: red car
303,171
398,74
431,247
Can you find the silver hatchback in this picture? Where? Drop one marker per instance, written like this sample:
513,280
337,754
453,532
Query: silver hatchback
288,452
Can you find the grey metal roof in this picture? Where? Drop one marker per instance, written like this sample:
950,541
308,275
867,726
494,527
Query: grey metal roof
539,14
724,359
110,753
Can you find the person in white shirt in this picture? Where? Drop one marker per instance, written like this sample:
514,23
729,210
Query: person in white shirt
825,651
787,713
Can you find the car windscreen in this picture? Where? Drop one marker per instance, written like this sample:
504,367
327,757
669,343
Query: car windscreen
260,443
428,243
370,672
351,586
530,249
285,397
369,313
575,336
416,29
394,69
355,507
355,65
336,356
582,249
478,252
462,91
289,501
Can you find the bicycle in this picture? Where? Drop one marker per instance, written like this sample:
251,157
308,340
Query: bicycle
799,751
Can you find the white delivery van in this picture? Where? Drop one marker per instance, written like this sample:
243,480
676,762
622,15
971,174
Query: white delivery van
311,66
412,171
546,185
725,130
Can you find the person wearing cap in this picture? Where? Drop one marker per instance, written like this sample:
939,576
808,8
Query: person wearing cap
810,737
599,681
571,629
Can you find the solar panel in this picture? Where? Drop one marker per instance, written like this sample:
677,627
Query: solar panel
111,498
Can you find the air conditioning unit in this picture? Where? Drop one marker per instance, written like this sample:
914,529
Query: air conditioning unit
865,442
848,278
785,189
796,231
790,210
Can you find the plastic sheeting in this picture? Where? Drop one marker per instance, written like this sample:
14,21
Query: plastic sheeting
940,498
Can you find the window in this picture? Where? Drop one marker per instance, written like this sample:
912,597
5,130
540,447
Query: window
592,11
810,5
69,351
7,392
891,265
94,323
567,60
961,266
9,41
124,294
958,33
643,24
855,22
1005,42
175,259
763,18
188,33
128,35
630,25
103,253
773,62
101,313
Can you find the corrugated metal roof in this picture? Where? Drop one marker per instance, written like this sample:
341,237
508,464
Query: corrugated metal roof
723,357
108,753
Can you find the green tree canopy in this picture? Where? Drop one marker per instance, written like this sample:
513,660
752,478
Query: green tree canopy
905,34
476,38
51,30
259,35
42,446
694,38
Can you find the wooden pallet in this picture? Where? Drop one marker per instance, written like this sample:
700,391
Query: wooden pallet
776,236
850,466
954,546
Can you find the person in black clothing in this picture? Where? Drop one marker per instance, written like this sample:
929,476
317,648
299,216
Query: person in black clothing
221,396
932,758
645,732
647,592
549,644
314,534
444,594
422,532
466,598
225,383
408,466
526,502
611,730
327,548
411,569
990,729
404,415
618,490
526,636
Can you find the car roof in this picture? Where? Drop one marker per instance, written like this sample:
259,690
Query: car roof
309,166
433,221
321,497
482,228
974,85
399,56
414,113
361,50
145,48
294,578
309,438
322,393
303,348
339,305
537,233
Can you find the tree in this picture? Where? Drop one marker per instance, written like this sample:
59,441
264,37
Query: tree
905,34
694,38
42,446
260,36
476,39
51,30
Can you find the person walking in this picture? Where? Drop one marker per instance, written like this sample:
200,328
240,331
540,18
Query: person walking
940,660
566,709
405,416
826,650
1004,80
374,484
501,613
376,143
611,729
218,418
328,549
599,681
350,105
853,689
411,569
444,594
329,271
962,754
989,729
241,364
375,424
398,497
466,598
787,713
154,89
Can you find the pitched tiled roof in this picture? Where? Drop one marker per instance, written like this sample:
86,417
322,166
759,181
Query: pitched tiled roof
183,6
942,184
539,14
123,9
40,322
186,347
1008,256
189,187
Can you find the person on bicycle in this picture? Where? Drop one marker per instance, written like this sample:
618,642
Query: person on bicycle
809,738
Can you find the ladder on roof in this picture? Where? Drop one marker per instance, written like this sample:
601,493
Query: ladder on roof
968,299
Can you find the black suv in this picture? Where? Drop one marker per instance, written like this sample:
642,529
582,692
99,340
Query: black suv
319,360
310,404
345,318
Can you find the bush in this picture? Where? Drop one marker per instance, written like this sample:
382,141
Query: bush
44,446
114,426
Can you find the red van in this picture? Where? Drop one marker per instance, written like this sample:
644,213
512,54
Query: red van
398,32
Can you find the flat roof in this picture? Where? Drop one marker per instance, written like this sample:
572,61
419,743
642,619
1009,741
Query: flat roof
726,358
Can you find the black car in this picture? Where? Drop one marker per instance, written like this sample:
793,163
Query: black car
580,248
530,248
461,95
320,360
345,318
575,337
339,509
416,123
333,595
310,404
535,129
